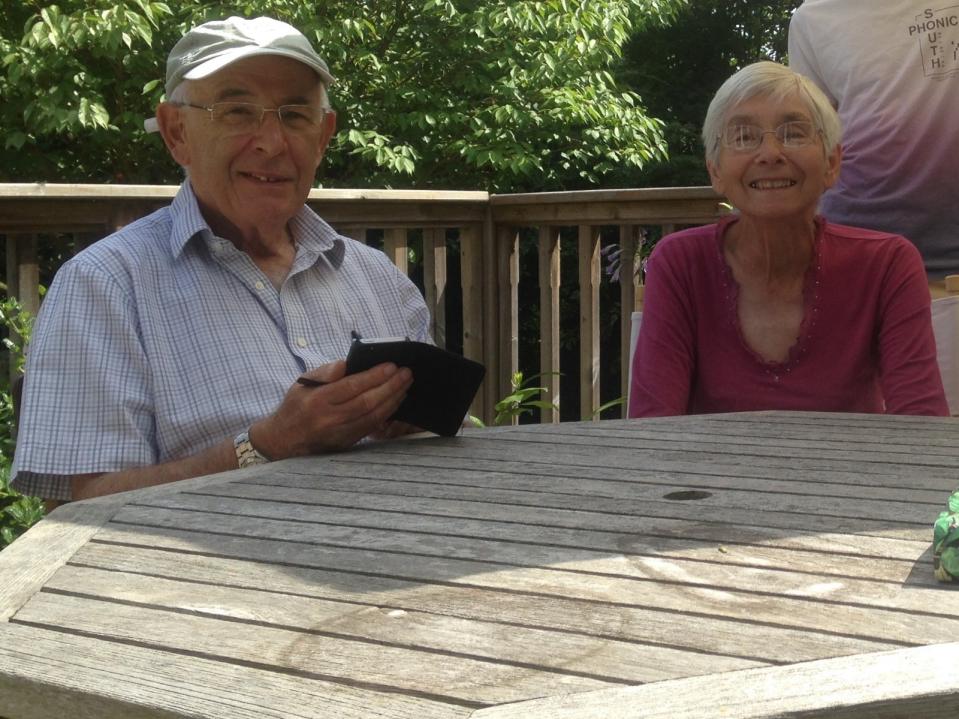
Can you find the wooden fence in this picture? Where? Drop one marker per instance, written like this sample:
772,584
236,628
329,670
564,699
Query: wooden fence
486,230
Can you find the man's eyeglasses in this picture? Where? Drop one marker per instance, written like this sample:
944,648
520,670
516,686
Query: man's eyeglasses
241,117
795,133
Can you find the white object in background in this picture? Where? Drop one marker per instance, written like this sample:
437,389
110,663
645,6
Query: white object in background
637,318
945,326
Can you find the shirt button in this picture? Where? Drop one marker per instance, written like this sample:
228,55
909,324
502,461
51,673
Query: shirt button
301,341
259,284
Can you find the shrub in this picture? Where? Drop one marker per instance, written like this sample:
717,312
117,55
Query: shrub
17,512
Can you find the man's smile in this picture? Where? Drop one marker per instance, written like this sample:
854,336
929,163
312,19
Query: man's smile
263,178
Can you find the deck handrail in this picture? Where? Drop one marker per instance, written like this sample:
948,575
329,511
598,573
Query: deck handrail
488,230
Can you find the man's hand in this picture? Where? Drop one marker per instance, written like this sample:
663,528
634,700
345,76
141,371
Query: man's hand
334,416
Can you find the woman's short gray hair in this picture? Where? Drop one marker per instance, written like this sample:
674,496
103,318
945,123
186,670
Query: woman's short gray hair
777,82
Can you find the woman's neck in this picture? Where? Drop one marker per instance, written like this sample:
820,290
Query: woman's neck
769,251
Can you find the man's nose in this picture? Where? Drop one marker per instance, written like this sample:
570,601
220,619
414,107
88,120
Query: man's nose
270,132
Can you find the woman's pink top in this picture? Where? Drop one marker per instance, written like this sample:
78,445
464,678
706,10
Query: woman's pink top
865,343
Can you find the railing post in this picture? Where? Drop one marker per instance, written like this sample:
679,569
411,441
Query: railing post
549,281
628,264
471,280
508,251
434,280
588,321
491,297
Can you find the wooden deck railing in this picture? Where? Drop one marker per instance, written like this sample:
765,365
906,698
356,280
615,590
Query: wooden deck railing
486,231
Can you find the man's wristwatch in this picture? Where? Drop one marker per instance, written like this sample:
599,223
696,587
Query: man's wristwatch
246,453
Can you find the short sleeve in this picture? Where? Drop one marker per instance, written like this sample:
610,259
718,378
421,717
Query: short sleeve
87,404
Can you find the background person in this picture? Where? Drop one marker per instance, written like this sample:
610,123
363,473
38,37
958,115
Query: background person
171,348
891,67
775,307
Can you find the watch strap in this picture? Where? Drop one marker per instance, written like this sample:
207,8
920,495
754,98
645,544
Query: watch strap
246,454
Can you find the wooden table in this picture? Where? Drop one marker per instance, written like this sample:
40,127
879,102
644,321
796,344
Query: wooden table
749,565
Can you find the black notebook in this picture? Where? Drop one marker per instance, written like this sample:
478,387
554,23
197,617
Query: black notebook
444,383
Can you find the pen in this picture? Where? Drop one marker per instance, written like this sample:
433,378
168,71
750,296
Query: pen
307,382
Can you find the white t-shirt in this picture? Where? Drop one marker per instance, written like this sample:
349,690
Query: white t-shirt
892,69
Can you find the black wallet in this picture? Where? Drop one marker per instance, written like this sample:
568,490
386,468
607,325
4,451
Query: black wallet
444,383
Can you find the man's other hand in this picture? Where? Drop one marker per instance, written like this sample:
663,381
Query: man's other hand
335,415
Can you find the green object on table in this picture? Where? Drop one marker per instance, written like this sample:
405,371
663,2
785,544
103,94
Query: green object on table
945,542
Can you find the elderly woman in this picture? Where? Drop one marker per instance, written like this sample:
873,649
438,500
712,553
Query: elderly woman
775,307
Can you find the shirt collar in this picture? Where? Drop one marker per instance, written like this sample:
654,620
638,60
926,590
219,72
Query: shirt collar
312,235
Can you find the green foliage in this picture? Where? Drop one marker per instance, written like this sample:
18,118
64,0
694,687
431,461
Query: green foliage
677,69
504,95
73,89
17,513
18,323
523,399
618,402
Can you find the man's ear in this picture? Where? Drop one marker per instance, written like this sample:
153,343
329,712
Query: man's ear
173,131
326,134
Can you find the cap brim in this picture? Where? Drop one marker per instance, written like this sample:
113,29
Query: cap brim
205,69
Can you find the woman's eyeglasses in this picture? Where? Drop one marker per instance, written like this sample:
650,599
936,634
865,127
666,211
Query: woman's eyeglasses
795,133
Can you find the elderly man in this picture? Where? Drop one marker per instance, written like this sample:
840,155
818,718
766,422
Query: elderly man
172,348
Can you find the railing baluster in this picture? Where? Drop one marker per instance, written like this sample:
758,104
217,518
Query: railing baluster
491,298
588,321
396,247
508,251
549,280
471,280
434,280
627,301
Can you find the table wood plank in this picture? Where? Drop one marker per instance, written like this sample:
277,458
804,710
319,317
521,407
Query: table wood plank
35,556
461,468
542,544
839,612
438,676
615,513
46,674
562,653
626,459
865,454
916,683
892,560
595,620
612,567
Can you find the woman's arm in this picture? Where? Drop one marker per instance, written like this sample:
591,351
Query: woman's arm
908,370
665,357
